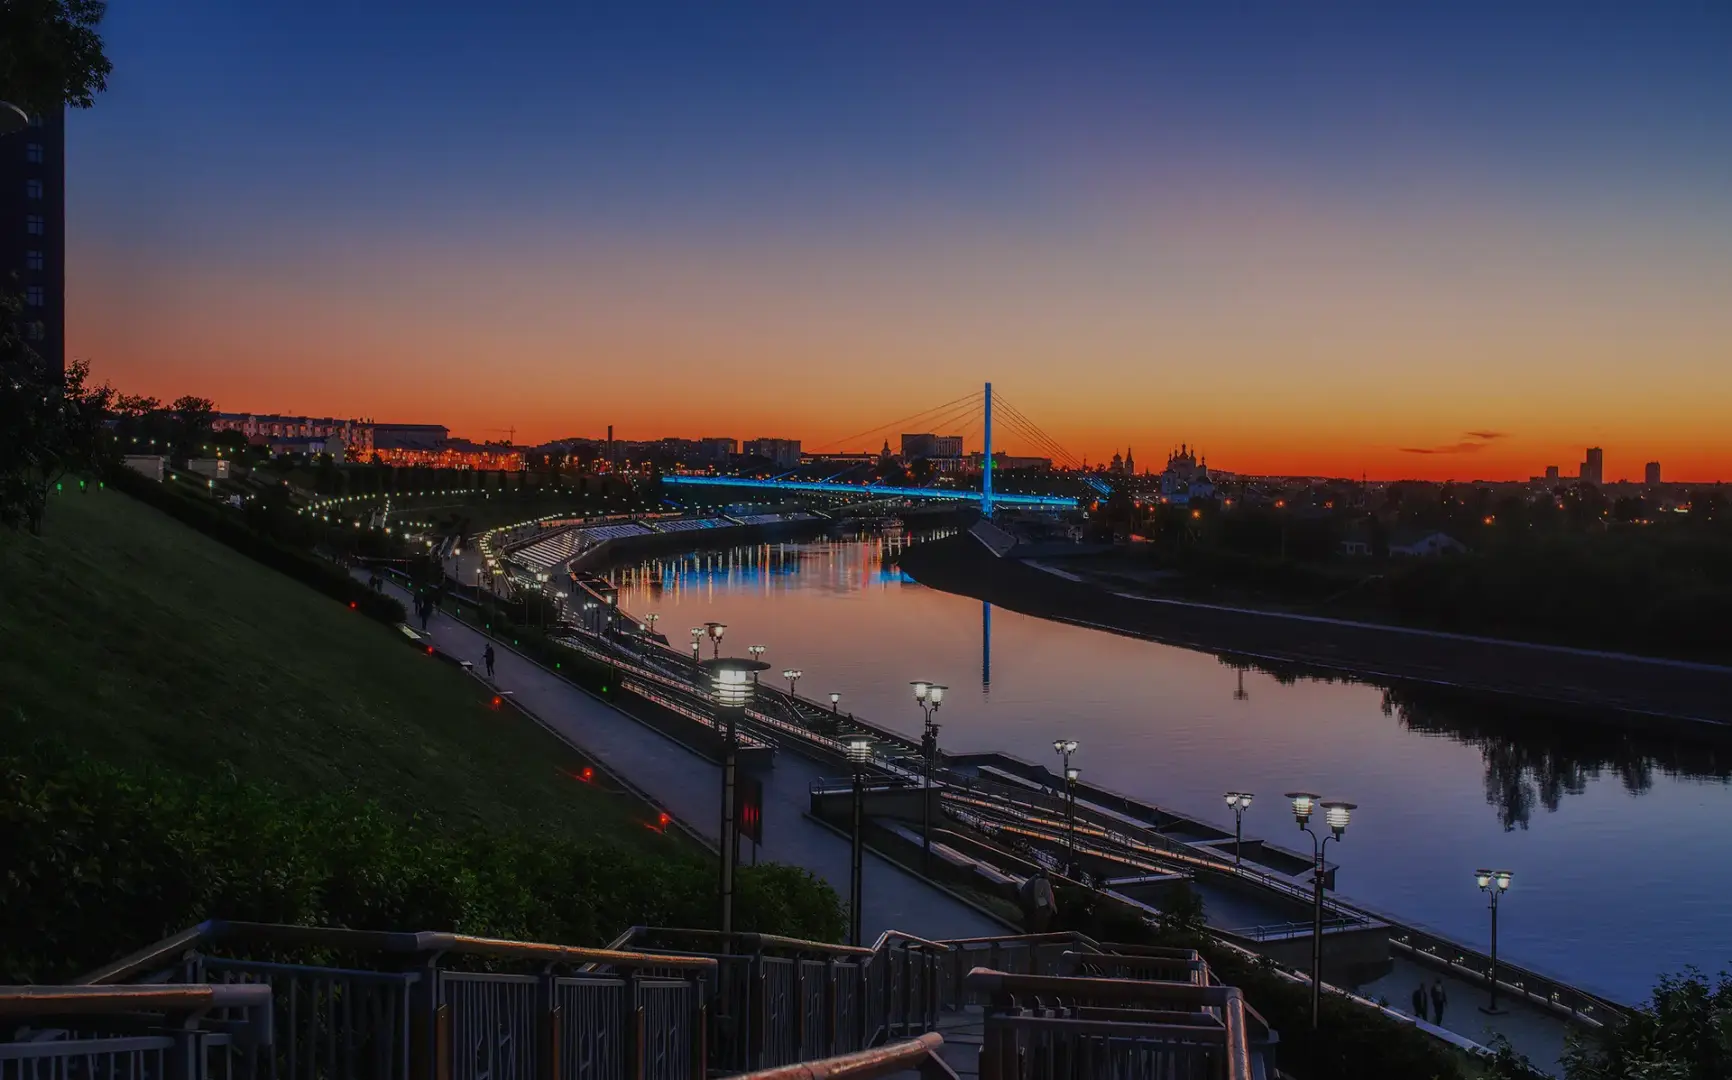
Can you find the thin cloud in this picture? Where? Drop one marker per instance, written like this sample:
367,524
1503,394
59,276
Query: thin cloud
1472,443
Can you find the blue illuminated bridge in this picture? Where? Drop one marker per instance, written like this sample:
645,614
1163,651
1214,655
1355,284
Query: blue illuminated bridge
971,413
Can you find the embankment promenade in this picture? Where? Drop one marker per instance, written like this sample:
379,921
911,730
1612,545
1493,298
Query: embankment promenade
1649,691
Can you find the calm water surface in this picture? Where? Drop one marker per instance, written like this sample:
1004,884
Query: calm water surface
1621,850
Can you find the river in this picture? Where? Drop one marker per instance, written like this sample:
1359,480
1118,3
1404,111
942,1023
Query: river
1620,850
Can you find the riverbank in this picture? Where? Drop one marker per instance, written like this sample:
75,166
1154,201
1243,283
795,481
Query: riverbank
1610,685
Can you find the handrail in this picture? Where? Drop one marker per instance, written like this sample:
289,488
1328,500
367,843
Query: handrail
756,942
1097,989
886,937
215,930
70,1000
1238,1041
1051,938
860,1065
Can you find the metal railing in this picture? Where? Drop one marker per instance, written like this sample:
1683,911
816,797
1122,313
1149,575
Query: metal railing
577,1013
1042,1026
192,1032
919,1054
777,1001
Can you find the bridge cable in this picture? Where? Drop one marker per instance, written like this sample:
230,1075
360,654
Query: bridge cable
1039,435
906,420
1025,427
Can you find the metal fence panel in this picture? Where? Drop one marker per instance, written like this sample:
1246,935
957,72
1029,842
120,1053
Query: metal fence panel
592,1028
494,1023
812,985
330,1023
849,1006
137,1058
668,1011
778,1012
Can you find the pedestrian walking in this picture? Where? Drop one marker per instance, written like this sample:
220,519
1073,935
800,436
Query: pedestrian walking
426,611
1438,1000
1039,902
487,656
1419,1001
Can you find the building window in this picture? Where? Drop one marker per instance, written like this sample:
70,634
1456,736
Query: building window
35,224
36,119
33,153
32,260
33,295
36,331
32,189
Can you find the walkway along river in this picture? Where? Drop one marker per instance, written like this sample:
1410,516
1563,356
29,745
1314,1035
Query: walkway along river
1618,847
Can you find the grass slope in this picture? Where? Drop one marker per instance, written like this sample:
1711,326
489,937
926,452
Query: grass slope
139,640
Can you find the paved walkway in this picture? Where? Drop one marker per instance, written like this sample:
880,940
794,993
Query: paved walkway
689,787
1531,1030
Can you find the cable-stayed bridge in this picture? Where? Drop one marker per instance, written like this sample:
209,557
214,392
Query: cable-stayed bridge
974,416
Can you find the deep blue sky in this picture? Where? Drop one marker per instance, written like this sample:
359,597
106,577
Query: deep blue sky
948,193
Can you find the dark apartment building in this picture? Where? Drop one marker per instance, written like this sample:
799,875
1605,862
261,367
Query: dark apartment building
33,229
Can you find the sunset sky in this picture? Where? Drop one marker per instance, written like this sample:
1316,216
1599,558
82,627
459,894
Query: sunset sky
1456,239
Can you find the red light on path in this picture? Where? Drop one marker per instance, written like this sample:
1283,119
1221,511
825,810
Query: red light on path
664,819
497,701
429,650
588,774
352,605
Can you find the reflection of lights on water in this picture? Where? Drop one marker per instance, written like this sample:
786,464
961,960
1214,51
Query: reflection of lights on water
850,564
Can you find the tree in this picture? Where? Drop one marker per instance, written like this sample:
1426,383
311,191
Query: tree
51,424
50,53
1683,1033
192,424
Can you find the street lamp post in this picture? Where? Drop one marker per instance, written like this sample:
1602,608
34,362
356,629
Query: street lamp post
793,676
859,757
929,696
757,652
697,643
715,630
1065,748
731,690
1336,816
835,702
652,618
1496,883
1240,801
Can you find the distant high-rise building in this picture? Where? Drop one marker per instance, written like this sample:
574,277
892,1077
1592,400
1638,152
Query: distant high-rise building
1651,474
1551,474
712,448
33,230
915,447
784,453
1594,468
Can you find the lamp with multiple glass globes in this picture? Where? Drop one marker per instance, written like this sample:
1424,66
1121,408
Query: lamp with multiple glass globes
1065,748
793,676
732,683
715,631
1239,802
1494,883
1336,815
859,750
929,696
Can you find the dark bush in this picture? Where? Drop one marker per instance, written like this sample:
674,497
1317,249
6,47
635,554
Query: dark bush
103,860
